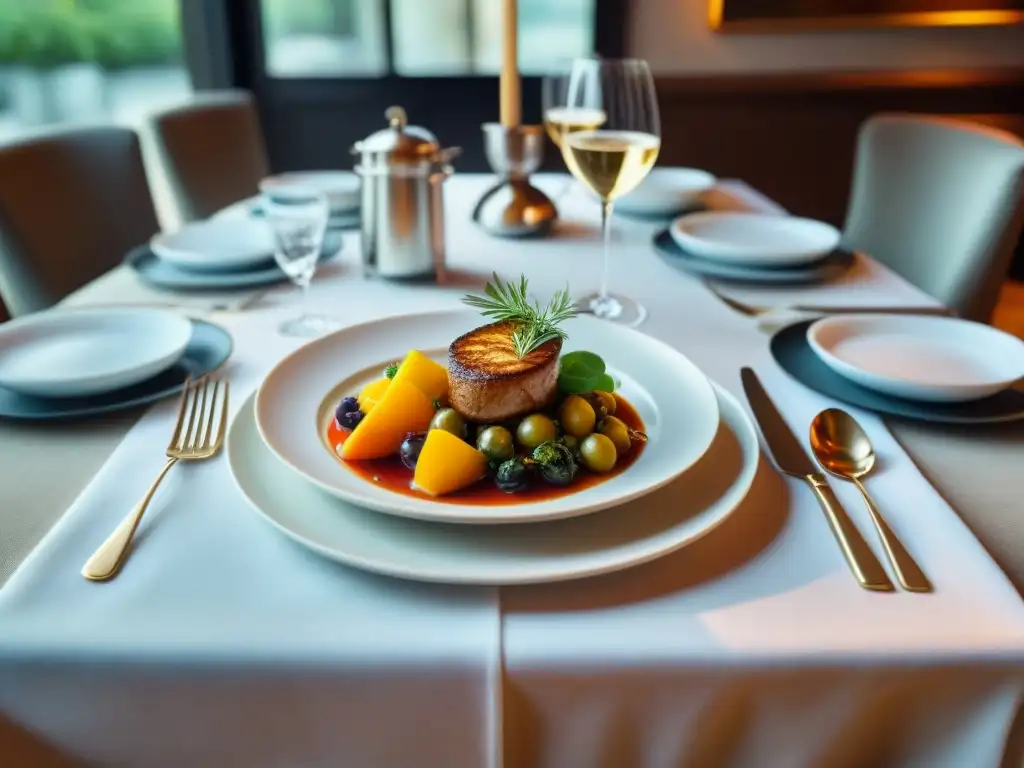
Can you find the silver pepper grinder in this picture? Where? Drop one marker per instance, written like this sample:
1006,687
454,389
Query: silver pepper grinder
403,169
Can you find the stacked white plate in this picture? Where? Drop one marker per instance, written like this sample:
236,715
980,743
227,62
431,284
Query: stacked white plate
931,359
753,239
80,353
667,192
696,468
341,188
216,245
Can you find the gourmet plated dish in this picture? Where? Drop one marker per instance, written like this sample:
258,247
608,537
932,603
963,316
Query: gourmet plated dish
510,418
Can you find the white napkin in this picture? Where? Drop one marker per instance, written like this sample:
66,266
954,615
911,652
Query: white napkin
209,582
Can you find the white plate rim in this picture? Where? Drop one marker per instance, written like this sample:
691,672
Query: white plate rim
638,201
177,327
342,200
193,259
440,511
713,515
751,255
897,386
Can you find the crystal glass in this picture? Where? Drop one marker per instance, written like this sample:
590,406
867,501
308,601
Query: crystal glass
610,135
298,218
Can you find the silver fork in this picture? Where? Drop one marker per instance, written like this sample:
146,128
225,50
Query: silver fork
754,311
194,439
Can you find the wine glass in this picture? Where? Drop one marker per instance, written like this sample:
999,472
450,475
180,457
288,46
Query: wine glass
614,156
561,118
298,217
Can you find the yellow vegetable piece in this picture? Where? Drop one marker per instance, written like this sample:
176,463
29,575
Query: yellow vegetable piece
428,377
447,464
403,409
372,393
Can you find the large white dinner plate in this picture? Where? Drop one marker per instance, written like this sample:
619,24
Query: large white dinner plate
216,245
666,191
296,400
936,359
755,239
342,188
82,352
615,539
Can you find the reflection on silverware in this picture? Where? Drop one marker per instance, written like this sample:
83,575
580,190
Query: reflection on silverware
843,448
791,458
198,435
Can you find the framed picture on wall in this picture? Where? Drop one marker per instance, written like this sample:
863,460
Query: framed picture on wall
792,15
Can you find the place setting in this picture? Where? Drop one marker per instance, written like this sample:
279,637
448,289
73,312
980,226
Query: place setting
343,190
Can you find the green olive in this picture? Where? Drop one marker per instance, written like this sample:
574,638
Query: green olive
616,431
577,416
449,420
534,430
598,453
496,444
607,400
572,443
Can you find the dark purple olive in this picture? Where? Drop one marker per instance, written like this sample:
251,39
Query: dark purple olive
349,421
410,449
347,405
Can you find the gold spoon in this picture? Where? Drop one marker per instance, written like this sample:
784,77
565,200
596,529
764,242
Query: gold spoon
843,449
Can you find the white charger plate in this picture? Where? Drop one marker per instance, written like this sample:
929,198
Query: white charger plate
934,359
754,239
83,352
216,245
615,539
666,191
342,188
295,403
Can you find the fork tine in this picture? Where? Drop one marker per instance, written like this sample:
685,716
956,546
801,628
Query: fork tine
204,443
187,435
222,427
181,414
197,438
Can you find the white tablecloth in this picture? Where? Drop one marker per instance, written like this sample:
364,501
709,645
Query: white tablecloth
224,644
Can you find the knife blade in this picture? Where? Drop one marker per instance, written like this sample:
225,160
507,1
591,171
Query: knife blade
791,458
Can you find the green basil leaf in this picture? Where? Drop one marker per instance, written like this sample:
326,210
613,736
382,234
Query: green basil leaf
575,385
581,364
605,383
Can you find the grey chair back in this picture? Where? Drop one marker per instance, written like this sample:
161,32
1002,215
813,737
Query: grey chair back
72,204
211,151
941,202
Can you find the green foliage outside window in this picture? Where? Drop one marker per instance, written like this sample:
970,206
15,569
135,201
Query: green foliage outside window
116,34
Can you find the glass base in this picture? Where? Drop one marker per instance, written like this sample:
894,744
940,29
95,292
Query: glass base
615,308
309,326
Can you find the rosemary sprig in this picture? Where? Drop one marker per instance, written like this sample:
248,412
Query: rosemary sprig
509,302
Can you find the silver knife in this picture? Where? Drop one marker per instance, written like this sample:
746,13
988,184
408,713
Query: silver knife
792,459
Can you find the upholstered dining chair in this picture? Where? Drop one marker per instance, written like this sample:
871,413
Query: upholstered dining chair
210,150
941,202
72,203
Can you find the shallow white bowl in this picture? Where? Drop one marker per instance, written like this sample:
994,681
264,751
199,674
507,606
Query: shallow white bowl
216,245
296,401
754,239
342,188
77,353
935,359
667,191
607,541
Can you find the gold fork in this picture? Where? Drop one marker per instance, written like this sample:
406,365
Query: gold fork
198,434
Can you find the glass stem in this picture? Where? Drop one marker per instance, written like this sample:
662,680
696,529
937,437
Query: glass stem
304,305
606,236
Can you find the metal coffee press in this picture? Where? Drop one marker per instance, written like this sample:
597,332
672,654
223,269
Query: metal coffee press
514,207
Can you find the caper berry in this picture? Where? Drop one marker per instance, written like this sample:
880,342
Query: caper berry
496,444
616,430
449,420
577,416
598,453
604,403
555,463
534,430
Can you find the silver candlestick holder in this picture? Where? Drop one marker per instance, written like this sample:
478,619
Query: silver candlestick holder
513,207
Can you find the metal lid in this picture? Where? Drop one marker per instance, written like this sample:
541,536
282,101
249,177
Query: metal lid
400,142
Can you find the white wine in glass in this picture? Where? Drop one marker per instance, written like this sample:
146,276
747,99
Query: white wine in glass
559,121
612,158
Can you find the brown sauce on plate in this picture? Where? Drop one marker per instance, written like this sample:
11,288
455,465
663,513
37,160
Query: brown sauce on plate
392,474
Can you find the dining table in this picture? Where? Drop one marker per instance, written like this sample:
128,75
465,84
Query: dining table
224,643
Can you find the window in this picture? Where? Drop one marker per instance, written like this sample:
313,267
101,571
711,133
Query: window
87,60
351,38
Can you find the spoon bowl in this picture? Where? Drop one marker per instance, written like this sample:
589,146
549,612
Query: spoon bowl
843,448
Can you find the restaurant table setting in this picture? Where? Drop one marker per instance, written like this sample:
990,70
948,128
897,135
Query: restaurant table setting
732,628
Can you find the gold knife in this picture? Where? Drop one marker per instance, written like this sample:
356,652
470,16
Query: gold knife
792,459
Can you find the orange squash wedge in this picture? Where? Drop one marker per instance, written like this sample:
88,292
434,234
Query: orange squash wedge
372,393
447,464
401,410
428,377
